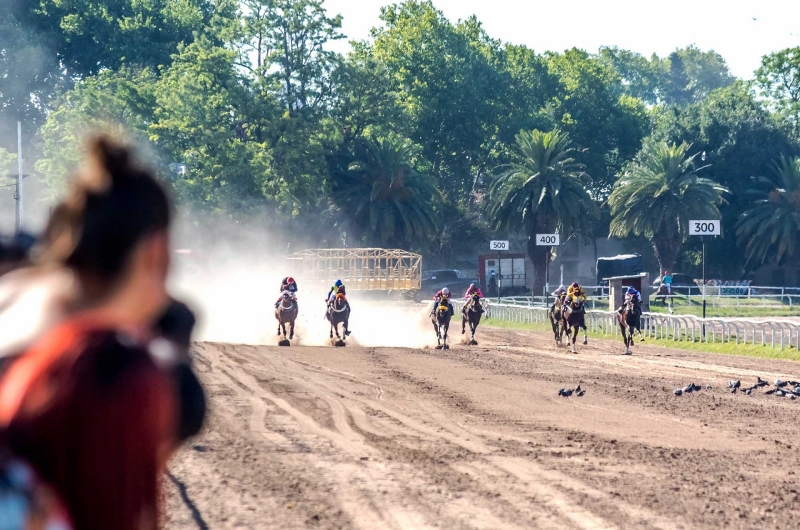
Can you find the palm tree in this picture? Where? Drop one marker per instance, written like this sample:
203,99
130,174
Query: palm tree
657,195
541,191
386,201
770,229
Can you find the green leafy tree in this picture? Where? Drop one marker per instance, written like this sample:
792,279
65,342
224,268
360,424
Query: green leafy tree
641,77
385,201
740,139
541,191
692,74
608,127
365,101
449,86
90,35
120,103
204,118
287,39
656,196
779,78
770,228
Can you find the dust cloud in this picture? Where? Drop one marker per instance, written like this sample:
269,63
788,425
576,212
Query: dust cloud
231,275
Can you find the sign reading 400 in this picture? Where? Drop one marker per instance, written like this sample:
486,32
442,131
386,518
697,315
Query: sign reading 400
705,228
547,240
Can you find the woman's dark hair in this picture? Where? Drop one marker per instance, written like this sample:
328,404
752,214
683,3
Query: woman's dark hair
112,204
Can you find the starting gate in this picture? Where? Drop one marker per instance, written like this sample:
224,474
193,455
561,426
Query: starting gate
361,269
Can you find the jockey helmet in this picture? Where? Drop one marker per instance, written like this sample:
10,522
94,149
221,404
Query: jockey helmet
289,280
562,288
575,285
445,292
631,289
472,286
338,283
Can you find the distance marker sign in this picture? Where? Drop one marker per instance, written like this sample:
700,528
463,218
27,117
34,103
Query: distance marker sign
547,240
705,228
499,245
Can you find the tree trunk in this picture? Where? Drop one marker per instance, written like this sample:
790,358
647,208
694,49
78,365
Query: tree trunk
666,251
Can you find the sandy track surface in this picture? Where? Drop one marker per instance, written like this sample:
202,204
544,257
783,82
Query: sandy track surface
477,437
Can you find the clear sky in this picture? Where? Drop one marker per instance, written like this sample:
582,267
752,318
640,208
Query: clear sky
740,31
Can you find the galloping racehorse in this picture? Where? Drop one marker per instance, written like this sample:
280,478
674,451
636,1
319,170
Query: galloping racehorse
472,316
630,320
286,313
573,318
557,321
339,313
441,323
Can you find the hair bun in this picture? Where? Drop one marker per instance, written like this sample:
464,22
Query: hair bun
108,164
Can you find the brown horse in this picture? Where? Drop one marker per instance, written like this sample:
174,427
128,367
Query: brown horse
286,313
471,314
573,318
441,323
339,313
629,320
556,320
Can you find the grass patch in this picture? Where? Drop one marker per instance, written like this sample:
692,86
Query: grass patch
728,348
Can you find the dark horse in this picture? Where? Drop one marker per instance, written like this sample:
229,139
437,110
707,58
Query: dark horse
471,314
441,323
573,318
339,313
286,313
629,320
556,320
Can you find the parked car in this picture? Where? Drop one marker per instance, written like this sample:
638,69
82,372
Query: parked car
680,284
433,281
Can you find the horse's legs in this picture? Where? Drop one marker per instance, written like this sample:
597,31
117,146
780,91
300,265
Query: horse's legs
291,329
575,330
585,337
332,328
444,338
464,319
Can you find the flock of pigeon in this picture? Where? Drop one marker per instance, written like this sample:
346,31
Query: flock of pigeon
789,389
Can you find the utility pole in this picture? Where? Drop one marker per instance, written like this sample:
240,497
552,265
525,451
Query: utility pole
18,194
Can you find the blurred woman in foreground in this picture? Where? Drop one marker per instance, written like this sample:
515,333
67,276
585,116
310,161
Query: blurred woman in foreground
90,404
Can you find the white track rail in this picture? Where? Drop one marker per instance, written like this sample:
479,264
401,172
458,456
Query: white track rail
776,333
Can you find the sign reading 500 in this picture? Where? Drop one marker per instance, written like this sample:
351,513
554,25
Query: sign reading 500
498,245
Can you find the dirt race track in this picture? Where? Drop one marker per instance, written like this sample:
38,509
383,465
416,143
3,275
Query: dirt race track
477,437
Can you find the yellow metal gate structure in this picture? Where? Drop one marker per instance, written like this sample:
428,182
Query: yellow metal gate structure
361,269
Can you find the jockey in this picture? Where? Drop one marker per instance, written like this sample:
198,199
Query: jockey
472,290
631,293
336,288
575,292
287,284
558,294
442,296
